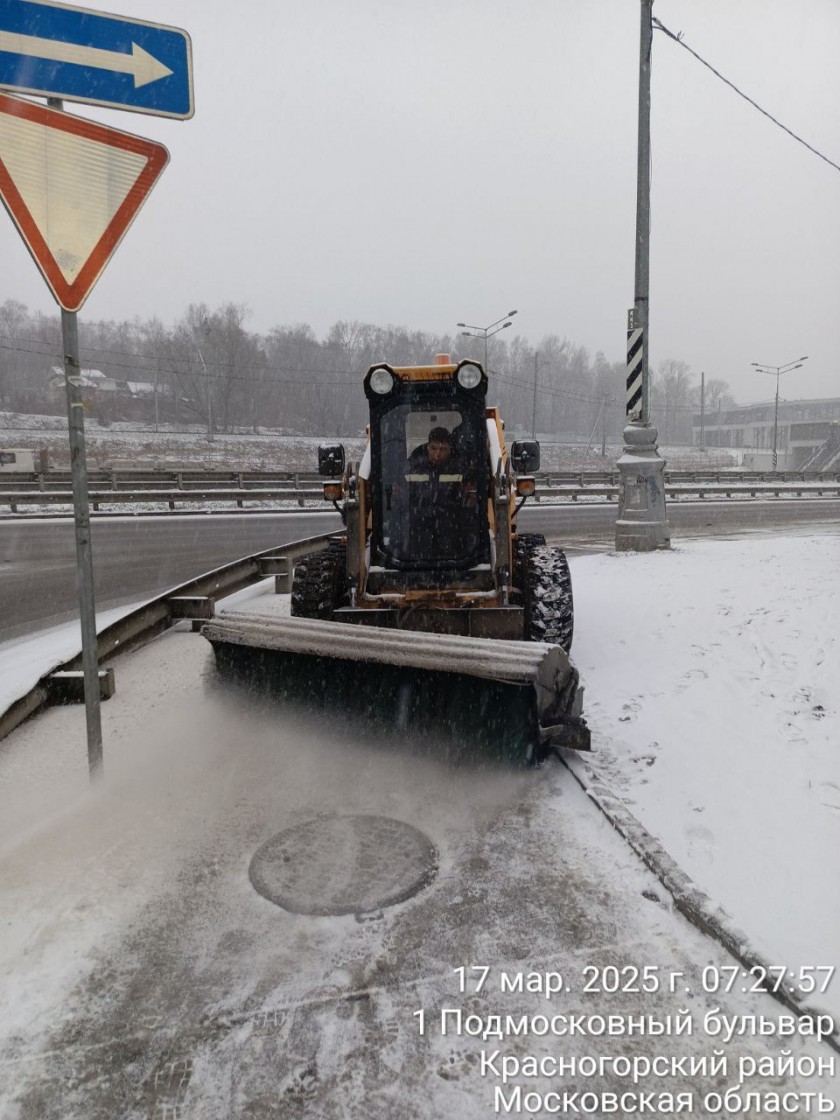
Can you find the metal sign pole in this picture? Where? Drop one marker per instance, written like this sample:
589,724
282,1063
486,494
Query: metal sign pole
81,517
101,175
84,554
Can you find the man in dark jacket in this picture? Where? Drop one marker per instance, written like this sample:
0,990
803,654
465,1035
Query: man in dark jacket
441,499
435,457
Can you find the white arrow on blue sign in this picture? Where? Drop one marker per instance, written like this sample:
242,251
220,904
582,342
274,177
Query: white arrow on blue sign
55,50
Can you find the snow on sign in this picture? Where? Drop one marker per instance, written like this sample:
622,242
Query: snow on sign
56,50
72,187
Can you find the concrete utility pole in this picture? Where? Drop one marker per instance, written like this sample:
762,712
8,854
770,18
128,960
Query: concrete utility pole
604,427
210,432
641,525
703,411
534,412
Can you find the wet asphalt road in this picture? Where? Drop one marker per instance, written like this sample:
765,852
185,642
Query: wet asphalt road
134,558
139,557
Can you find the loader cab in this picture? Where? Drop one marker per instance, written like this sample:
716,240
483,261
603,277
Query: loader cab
428,474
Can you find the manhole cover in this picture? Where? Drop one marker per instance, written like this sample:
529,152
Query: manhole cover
344,865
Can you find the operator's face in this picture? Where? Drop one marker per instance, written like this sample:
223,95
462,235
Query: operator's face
438,452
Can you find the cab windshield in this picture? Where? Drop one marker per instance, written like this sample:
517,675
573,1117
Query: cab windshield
429,487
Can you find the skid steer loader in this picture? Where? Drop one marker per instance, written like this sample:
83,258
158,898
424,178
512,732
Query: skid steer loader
430,602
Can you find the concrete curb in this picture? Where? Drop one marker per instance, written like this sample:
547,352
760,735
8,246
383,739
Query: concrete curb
692,903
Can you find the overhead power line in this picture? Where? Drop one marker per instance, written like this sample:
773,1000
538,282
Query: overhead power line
679,39
256,375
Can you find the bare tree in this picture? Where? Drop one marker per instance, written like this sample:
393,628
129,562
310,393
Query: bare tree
718,394
13,318
670,391
209,369
293,369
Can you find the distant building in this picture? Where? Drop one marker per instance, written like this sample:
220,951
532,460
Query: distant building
95,380
827,456
89,379
140,388
803,426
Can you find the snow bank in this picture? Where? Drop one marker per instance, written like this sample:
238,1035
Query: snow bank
711,690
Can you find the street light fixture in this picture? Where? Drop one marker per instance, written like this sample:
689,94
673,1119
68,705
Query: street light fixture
777,371
487,332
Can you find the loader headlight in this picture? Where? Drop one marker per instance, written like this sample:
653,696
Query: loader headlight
469,376
381,381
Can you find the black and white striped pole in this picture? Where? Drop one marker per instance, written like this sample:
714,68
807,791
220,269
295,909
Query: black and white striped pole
641,525
635,369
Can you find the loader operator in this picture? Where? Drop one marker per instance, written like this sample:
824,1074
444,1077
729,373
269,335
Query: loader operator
434,455
439,491
436,464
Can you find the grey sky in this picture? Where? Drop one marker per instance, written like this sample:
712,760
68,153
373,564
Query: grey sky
421,162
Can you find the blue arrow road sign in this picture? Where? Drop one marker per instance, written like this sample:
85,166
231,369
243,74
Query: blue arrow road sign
54,50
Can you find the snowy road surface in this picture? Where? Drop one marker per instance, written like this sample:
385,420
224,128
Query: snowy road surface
141,975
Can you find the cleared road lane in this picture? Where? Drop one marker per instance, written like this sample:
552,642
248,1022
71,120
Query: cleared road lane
134,558
139,557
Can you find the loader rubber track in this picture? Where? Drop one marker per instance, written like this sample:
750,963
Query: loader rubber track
549,608
319,581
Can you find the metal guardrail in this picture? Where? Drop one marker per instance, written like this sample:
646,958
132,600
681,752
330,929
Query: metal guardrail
163,480
171,498
193,599
202,479
564,492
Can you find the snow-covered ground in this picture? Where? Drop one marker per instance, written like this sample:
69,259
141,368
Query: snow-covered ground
711,677
134,953
24,660
711,690
126,443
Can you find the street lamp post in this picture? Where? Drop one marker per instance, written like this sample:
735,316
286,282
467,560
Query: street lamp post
642,522
487,332
777,371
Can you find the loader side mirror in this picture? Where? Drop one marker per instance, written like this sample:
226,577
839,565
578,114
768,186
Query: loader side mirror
331,459
525,456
